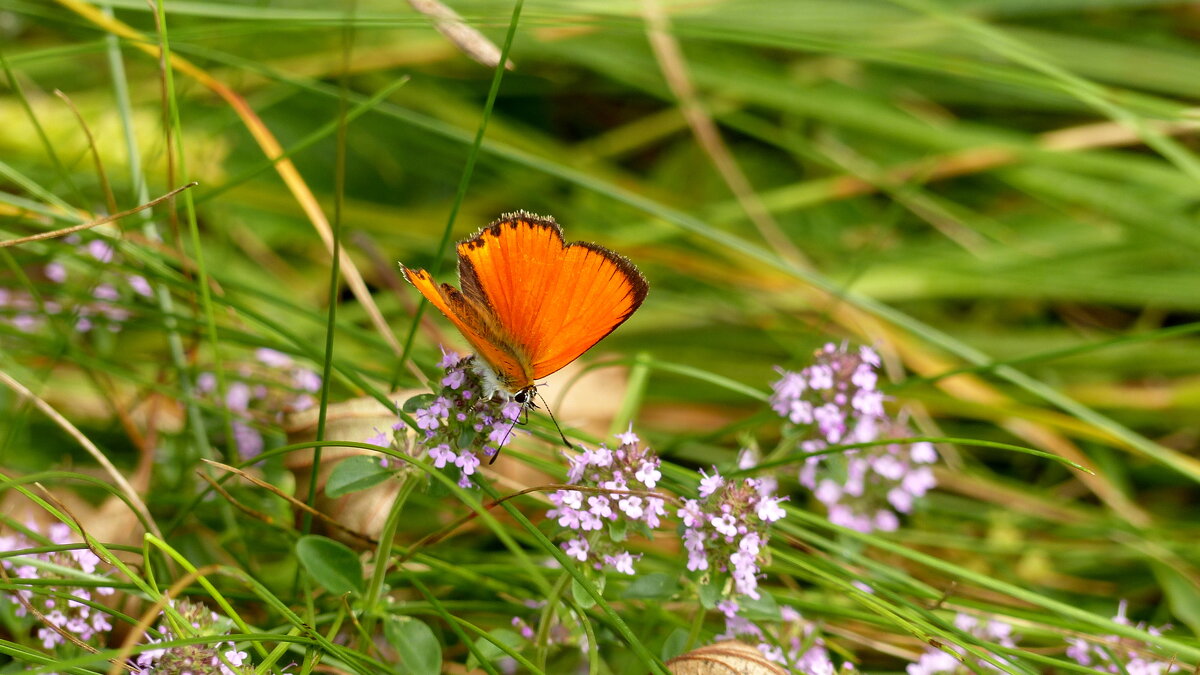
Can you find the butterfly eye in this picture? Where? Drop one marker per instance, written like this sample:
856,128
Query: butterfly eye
520,397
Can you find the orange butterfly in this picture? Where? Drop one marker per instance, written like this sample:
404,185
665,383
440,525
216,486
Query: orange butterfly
530,302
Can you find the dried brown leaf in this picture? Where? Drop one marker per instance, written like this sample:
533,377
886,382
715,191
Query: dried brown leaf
724,658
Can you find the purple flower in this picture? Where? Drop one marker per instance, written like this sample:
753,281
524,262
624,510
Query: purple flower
69,613
441,455
454,379
427,419
247,439
55,271
459,425
466,462
100,250
833,401
617,486
577,548
511,410
769,509
628,437
1113,653
139,285
381,438
449,359
272,359
727,528
621,562
26,323
213,658
939,662
710,484
524,628
793,642
306,380
237,397
206,382
648,473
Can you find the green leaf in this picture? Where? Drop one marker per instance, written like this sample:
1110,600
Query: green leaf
656,586
675,644
763,609
331,564
419,649
710,595
419,401
1182,597
435,488
355,473
467,438
617,530
585,599
489,650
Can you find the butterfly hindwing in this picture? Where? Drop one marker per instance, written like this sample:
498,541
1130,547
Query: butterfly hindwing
549,300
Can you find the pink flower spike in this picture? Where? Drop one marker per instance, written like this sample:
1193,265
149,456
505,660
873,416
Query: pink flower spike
628,438
441,455
649,474
100,250
380,438
55,271
710,484
467,462
449,359
140,285
621,562
577,548
455,379
272,358
769,509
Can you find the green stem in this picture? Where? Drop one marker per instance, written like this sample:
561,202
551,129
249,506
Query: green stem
542,638
383,554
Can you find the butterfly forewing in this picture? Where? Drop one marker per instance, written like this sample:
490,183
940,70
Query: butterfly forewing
549,300
468,317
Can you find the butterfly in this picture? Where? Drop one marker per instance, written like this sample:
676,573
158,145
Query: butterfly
530,302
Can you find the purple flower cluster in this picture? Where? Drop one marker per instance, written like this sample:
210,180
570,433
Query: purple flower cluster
70,615
22,311
460,420
616,492
213,658
836,401
275,382
805,651
939,662
726,530
1115,654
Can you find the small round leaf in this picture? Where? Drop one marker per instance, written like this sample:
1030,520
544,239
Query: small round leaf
331,564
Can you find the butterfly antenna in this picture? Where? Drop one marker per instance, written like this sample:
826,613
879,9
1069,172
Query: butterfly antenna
551,414
504,440
524,411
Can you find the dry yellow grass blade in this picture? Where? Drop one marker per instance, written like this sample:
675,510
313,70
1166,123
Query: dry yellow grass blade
93,223
470,41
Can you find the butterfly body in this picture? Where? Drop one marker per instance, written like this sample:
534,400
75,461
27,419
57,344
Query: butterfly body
530,303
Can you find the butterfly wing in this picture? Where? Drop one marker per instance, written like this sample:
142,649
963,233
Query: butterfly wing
473,321
549,300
